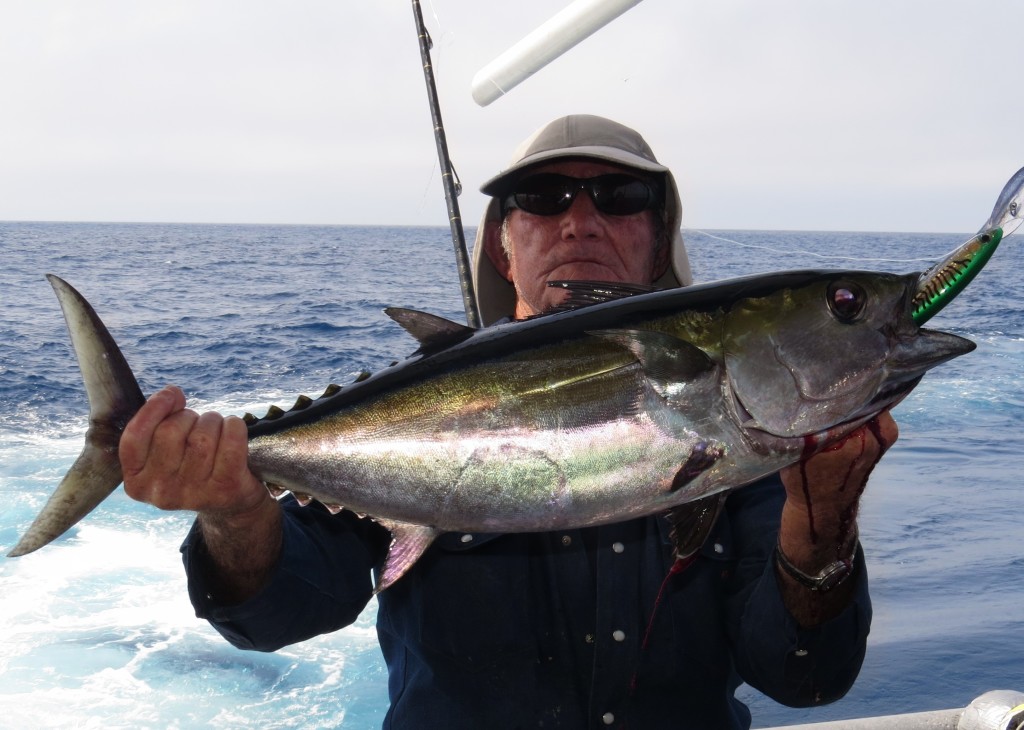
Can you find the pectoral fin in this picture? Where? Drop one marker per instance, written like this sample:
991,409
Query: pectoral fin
705,454
669,362
407,545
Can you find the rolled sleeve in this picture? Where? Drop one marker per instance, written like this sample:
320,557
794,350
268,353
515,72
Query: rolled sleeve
798,666
795,666
321,583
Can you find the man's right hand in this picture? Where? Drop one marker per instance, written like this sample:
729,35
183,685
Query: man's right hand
176,459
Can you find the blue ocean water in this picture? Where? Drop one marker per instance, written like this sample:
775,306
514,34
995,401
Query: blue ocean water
97,631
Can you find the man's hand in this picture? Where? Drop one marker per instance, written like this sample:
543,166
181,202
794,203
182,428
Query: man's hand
819,519
825,488
176,459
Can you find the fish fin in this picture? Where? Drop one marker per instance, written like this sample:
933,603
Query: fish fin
434,333
703,456
408,542
692,523
667,361
586,293
114,397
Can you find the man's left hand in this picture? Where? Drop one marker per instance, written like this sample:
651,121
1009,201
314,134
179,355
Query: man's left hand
819,519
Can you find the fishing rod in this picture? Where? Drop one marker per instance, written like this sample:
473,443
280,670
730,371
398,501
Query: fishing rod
452,186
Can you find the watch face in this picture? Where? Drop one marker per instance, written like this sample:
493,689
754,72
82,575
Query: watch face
834,574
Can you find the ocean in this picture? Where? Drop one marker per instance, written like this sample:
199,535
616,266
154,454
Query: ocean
96,630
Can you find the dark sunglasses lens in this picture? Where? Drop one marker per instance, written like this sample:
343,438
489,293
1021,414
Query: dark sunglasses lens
621,194
551,194
545,194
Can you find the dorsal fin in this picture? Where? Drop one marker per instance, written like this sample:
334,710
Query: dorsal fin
585,293
431,331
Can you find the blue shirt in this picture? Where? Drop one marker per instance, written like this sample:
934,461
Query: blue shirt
591,628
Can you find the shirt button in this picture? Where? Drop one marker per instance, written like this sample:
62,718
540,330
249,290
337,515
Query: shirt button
719,548
589,638
467,538
619,635
607,718
566,540
618,547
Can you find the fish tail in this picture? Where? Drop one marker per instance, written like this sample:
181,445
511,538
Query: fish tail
114,397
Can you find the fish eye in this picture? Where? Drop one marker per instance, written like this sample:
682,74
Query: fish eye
846,300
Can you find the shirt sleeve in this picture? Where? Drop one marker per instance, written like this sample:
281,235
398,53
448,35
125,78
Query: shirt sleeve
321,583
794,666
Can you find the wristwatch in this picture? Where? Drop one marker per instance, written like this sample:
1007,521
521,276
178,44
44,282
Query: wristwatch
829,577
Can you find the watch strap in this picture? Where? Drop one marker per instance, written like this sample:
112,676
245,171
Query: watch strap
828,578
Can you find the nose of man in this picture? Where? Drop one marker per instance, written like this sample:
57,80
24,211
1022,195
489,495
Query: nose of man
582,219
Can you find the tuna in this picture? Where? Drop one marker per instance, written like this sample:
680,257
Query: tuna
626,403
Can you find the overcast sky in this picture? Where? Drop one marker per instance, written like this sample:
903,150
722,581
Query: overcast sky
900,115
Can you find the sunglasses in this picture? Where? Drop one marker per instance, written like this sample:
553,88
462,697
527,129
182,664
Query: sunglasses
615,194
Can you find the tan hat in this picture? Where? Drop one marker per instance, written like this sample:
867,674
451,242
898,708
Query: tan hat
578,135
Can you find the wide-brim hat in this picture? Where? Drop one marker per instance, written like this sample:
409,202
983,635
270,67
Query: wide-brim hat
576,136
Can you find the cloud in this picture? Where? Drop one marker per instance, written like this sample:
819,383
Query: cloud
783,114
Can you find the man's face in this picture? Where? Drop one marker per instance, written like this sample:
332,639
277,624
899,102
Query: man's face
580,244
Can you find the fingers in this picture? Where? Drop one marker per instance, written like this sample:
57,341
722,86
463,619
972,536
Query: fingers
176,459
870,441
199,437
839,473
229,477
233,455
137,439
885,430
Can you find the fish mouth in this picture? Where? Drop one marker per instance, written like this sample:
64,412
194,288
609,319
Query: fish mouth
765,441
889,397
913,356
909,360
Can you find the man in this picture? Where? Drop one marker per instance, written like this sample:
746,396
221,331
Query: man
599,627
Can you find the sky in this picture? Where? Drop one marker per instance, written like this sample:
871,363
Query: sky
876,115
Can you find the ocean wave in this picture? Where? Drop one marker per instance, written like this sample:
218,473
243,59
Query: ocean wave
97,630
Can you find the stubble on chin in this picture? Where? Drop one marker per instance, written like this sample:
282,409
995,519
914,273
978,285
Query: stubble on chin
538,301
